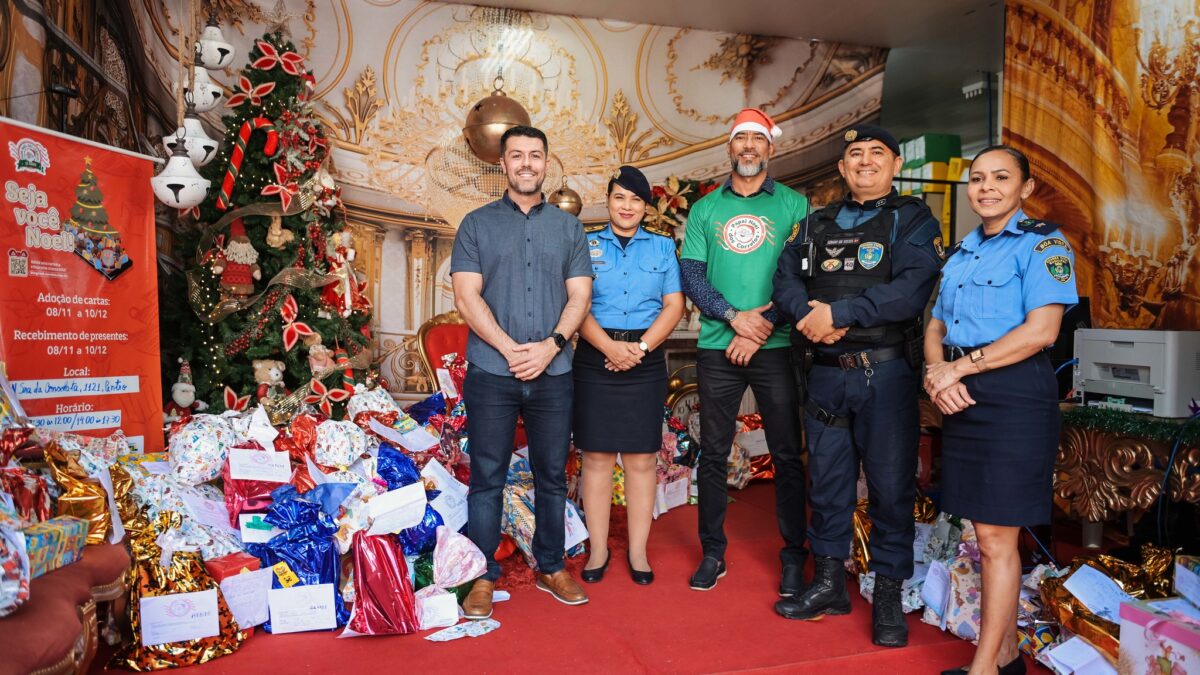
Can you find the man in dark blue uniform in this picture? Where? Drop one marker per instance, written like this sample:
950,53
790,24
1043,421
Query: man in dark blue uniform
855,279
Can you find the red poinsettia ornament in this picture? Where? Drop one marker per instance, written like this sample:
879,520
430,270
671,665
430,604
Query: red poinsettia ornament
249,92
235,402
293,330
291,62
283,186
321,396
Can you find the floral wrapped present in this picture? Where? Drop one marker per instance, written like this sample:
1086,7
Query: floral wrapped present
1156,639
962,610
618,490
55,543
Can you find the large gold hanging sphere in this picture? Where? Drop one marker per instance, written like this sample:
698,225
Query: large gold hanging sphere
566,199
489,119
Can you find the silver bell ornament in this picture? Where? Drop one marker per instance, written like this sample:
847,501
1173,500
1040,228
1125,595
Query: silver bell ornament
212,51
178,185
204,93
199,147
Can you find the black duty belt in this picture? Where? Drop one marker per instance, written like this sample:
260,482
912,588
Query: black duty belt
825,417
866,360
625,335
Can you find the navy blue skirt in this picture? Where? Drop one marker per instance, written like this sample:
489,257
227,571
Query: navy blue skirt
998,455
618,411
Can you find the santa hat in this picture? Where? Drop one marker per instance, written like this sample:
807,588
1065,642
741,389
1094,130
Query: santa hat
237,229
753,119
185,371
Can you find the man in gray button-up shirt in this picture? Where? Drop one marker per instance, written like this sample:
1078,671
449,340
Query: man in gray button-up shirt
523,283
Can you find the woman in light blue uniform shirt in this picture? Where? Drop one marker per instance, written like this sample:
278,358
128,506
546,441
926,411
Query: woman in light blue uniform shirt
1003,292
620,370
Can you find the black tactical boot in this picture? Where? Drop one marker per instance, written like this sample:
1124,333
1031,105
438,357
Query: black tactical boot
887,618
825,595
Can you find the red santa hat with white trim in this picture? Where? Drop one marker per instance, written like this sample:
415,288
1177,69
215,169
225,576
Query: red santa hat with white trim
753,119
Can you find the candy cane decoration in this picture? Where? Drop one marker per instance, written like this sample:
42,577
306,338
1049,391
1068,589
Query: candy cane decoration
239,153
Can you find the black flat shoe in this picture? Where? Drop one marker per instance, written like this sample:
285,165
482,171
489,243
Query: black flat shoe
639,577
594,575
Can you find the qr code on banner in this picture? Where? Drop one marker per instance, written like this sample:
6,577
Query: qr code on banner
18,263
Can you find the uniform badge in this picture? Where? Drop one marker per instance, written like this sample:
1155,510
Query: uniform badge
1052,241
834,252
870,254
595,252
851,135
831,265
1059,267
849,264
938,248
593,242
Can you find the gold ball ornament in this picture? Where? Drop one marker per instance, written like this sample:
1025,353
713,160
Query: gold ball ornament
674,384
566,199
489,119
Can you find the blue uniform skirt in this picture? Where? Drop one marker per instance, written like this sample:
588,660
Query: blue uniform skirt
998,455
618,411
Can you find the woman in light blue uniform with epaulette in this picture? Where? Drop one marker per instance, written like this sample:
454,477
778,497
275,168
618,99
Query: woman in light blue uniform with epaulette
1003,292
621,370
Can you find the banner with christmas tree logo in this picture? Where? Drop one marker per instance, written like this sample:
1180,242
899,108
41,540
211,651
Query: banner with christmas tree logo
78,293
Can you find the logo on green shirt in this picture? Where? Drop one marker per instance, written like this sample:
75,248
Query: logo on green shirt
745,233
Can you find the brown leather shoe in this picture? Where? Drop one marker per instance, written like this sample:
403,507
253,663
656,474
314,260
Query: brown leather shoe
478,604
562,587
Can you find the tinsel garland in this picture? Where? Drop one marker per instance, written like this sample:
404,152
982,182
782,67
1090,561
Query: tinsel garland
1137,425
253,331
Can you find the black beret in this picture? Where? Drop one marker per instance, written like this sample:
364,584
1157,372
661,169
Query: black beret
870,132
635,181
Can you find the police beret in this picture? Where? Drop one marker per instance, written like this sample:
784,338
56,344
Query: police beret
870,132
633,180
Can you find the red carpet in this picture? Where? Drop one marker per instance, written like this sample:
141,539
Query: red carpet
661,628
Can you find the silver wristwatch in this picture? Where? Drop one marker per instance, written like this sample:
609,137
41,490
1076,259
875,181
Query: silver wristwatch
730,315
644,347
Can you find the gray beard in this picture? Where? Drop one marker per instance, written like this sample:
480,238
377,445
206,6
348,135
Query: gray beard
751,170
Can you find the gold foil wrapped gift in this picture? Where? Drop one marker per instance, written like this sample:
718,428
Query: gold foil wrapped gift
1147,581
860,552
185,573
82,496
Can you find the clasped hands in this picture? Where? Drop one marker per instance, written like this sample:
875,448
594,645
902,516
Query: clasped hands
818,326
943,383
528,360
620,356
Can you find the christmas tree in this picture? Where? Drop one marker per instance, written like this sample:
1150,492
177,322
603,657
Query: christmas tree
96,240
275,309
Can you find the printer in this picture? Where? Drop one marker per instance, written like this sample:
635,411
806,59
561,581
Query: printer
1148,371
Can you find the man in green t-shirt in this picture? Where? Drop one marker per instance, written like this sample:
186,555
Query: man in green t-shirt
734,236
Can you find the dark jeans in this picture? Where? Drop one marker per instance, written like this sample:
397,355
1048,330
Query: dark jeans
883,436
722,384
493,404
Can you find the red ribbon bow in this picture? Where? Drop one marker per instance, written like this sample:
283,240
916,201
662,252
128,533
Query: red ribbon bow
283,186
322,395
291,62
293,330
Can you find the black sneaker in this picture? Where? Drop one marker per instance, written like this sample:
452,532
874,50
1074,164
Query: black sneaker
707,574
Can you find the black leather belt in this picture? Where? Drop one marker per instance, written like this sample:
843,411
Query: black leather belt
625,335
953,353
852,360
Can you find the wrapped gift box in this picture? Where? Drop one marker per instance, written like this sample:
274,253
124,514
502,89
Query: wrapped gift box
231,565
1153,641
30,493
962,609
55,543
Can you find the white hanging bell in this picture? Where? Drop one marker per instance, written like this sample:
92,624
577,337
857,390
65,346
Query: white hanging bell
212,51
204,93
178,185
200,148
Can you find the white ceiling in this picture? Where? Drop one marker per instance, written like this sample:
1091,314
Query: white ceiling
879,23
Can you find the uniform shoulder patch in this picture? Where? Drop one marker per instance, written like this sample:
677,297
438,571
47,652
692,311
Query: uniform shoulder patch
1051,241
1059,267
594,228
792,236
1037,226
660,232
954,249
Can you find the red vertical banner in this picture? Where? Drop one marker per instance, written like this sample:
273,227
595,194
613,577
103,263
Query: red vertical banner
78,288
